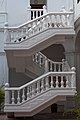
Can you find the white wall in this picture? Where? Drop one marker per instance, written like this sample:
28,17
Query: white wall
55,5
17,11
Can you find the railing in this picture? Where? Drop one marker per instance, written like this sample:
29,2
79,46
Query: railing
34,13
50,20
48,81
49,65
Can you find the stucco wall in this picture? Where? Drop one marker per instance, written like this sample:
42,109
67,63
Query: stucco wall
55,5
17,78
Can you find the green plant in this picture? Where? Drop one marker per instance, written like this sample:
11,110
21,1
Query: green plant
1,97
75,111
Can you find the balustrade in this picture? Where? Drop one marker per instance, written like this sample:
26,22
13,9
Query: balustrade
48,81
49,65
49,20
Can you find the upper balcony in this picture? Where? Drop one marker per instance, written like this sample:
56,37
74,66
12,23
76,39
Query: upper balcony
43,26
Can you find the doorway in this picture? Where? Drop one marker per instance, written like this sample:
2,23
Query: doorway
37,4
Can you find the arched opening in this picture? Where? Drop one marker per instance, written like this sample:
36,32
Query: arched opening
55,52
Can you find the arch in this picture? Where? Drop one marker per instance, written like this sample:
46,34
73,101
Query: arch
55,52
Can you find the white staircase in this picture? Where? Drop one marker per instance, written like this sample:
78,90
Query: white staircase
56,79
38,94
40,32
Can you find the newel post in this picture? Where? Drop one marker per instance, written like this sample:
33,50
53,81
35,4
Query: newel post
7,97
7,36
71,18
73,78
44,9
29,13
46,65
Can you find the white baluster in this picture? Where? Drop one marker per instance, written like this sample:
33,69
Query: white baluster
36,57
63,65
13,99
54,67
51,69
46,65
67,81
22,31
59,66
28,93
57,83
55,20
66,20
33,89
62,82
40,60
23,95
38,87
47,82
42,85
12,35
33,13
36,14
51,81
40,12
61,25
18,98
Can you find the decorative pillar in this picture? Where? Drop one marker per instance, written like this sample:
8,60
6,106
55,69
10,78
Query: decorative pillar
44,9
7,97
29,11
73,80
7,36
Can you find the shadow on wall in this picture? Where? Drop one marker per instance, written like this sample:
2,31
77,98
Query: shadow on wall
55,52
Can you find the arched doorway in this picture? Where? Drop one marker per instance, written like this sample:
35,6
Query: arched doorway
55,52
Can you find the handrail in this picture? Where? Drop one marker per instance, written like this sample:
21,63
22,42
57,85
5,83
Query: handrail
41,60
42,76
49,13
48,81
39,24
